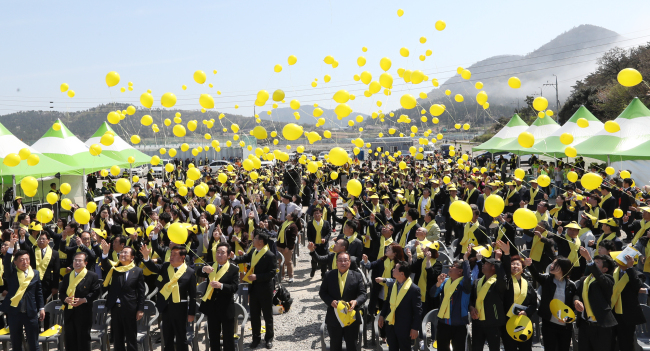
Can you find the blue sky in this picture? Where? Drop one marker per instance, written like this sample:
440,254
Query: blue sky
158,45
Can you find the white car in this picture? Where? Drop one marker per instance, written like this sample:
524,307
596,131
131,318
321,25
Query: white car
321,156
158,170
218,164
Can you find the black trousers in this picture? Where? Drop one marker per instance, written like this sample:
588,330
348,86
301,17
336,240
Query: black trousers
216,324
625,336
77,328
397,342
483,331
450,223
510,344
125,328
454,334
321,250
174,327
337,334
593,337
259,305
16,323
556,337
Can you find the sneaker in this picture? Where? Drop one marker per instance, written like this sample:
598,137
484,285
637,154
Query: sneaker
422,345
290,280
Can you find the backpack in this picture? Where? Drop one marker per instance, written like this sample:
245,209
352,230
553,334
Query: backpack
283,297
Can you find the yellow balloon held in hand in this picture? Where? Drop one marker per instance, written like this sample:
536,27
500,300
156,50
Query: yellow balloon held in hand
629,77
494,205
354,187
526,140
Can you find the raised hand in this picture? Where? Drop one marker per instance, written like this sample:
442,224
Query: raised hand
145,252
105,247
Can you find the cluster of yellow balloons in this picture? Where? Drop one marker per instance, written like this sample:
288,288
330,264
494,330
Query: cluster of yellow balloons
13,160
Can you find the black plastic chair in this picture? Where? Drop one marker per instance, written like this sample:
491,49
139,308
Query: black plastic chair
379,345
200,291
99,329
193,329
325,346
242,296
431,317
53,308
144,325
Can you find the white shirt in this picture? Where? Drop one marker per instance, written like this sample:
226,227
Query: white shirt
423,207
287,208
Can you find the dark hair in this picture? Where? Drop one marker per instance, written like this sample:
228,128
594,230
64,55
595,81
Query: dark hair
19,253
397,250
475,209
608,262
316,209
565,264
127,199
122,239
182,251
346,244
608,244
261,236
228,248
74,225
82,253
46,233
413,213
21,217
133,252
595,197
352,224
404,267
165,217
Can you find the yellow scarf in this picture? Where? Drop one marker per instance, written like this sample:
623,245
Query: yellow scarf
594,212
109,277
470,193
422,282
334,265
251,227
396,299
351,238
388,269
23,283
32,240
619,285
73,282
20,207
42,262
254,260
318,226
426,207
644,227
502,232
282,229
383,242
510,193
585,295
520,291
541,217
603,199
609,237
409,195
405,233
482,291
342,279
62,254
532,195
214,277
573,256
468,235
139,212
538,247
646,265
172,288
445,307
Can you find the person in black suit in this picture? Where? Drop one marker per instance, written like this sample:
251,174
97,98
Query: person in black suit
218,300
83,244
260,276
352,292
532,197
486,309
403,317
405,231
81,288
46,261
595,317
26,308
176,293
511,198
323,238
305,193
471,194
126,294
625,305
350,234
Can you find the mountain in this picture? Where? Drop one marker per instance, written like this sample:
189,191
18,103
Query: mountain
569,54
286,115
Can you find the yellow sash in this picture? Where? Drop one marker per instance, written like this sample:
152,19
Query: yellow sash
426,207
510,193
383,242
62,254
109,277
502,232
585,295
644,227
23,283
573,255
422,282
445,306
619,285
388,268
282,229
396,299
214,277
254,260
318,226
468,235
42,262
73,282
646,265
520,291
268,204
482,291
603,199
172,288
342,279
405,233
538,247
609,237
532,195
334,265
32,240
352,237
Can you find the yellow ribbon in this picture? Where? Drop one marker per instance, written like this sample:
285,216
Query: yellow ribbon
42,262
445,307
254,260
619,285
214,277
422,282
483,287
520,291
23,283
109,277
172,285
585,295
396,299
73,282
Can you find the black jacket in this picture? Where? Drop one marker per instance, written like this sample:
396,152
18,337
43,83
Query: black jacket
493,302
130,291
600,294
325,233
88,288
354,289
508,299
329,258
356,247
398,231
408,315
52,274
632,312
548,292
186,286
33,297
222,300
265,268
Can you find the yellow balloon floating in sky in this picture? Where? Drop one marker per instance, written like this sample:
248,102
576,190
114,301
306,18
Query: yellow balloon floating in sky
526,140
629,77
112,79
199,77
441,25
514,83
400,13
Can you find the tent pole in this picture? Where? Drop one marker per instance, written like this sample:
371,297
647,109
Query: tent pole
83,187
13,181
608,160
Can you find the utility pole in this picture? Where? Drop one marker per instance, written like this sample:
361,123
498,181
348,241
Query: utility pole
557,96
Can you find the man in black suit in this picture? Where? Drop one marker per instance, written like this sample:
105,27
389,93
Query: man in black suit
533,196
625,305
80,289
218,300
342,285
486,305
45,260
405,231
125,297
23,307
350,234
318,232
404,312
593,303
260,277
176,289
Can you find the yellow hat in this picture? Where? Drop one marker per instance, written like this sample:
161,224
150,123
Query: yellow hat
485,251
621,260
374,196
354,213
573,225
100,232
520,328
149,229
134,231
609,221
451,188
35,227
645,208
562,311
434,245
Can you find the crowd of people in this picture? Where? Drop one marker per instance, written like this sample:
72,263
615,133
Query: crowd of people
582,264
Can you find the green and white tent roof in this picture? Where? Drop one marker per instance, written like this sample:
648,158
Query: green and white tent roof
120,150
63,146
46,167
508,133
551,146
540,129
632,142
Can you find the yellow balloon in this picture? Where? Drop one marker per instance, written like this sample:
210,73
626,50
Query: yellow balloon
341,96
146,100
294,104
24,153
342,110
278,95
292,131
169,168
441,25
460,211
177,233
91,206
625,174
591,181
135,139
185,147
354,187
33,160
95,149
408,101
82,216
629,77
146,120
526,140
113,117
459,98
583,123
543,180
404,52
199,77
612,127
135,179
64,87
525,218
107,140
155,160
494,205
168,100
572,176
571,151
520,173
179,130
618,213
115,170
610,170
338,156
540,103
52,198
123,186
222,178
566,138
112,79
206,101
514,83
292,60
44,215
385,63
366,77
66,204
